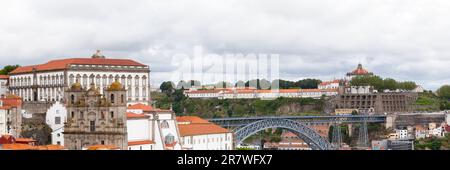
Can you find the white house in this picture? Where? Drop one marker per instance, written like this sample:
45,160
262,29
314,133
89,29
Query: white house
55,118
152,129
199,134
402,134
334,84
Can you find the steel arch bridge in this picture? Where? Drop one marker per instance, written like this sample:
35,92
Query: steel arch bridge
314,140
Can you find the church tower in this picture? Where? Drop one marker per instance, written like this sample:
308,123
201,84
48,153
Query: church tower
95,119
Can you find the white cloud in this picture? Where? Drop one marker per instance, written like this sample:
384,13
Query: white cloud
403,39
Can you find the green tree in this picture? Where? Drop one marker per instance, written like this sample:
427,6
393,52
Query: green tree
407,85
390,84
444,92
167,87
7,69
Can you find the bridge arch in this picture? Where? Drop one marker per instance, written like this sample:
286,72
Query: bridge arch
308,135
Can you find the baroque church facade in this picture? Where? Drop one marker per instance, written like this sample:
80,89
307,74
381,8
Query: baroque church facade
95,118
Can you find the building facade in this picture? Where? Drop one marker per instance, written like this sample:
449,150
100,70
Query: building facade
11,115
379,102
199,134
95,119
233,93
47,82
152,129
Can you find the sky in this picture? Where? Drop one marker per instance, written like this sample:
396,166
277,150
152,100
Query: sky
400,39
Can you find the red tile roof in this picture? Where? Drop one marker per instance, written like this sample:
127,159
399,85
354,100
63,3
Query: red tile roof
64,63
191,119
202,127
143,142
134,115
18,146
329,82
140,106
11,101
4,77
103,147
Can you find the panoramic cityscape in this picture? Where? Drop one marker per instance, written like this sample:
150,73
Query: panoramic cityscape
103,103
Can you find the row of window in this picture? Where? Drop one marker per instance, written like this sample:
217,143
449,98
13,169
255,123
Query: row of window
104,80
43,80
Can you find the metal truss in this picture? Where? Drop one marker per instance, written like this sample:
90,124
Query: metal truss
308,135
308,120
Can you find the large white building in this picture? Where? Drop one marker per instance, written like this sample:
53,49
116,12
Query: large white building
199,134
233,93
56,117
152,129
47,82
3,85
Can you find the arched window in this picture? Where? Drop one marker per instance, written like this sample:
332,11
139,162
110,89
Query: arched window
71,79
164,124
102,115
81,115
112,98
122,98
136,92
112,114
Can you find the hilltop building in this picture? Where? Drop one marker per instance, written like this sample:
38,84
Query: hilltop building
359,71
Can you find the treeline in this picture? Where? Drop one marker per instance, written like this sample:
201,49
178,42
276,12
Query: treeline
382,84
169,86
7,69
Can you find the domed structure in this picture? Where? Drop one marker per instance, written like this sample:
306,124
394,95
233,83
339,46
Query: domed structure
359,71
76,86
115,86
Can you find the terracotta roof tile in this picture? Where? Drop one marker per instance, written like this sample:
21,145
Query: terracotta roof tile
134,115
200,129
4,77
142,142
64,63
103,147
191,119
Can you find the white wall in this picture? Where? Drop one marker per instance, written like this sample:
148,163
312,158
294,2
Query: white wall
222,141
57,110
138,129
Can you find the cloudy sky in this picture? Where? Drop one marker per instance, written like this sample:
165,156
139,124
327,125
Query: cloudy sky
402,39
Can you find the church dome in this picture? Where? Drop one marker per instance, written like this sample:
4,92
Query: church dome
76,86
359,71
115,86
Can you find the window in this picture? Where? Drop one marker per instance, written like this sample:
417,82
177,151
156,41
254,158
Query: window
144,81
81,115
102,115
57,120
164,124
169,139
112,114
136,92
136,81
59,135
58,143
122,98
73,114
102,142
92,127
112,98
